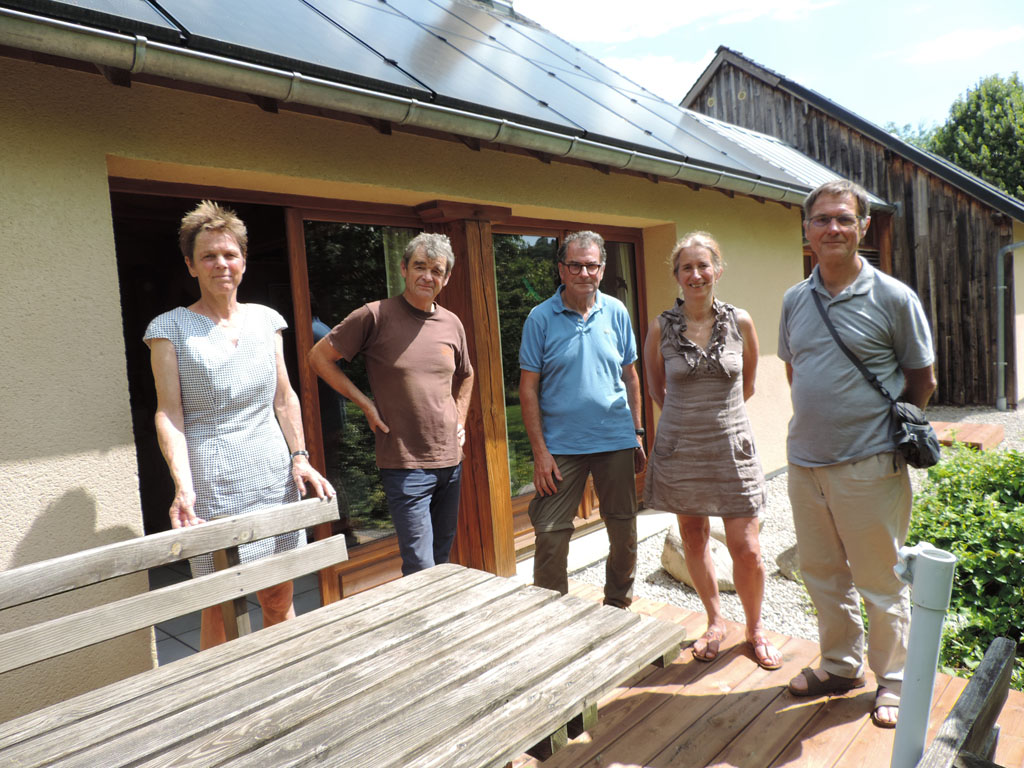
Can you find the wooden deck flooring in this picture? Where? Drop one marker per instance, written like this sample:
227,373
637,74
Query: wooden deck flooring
733,713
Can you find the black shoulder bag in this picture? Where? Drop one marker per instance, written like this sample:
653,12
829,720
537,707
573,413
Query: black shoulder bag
915,438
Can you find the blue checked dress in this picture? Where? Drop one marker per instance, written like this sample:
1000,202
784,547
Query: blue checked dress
237,452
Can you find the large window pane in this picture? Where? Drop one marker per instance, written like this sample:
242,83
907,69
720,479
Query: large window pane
620,280
526,275
350,265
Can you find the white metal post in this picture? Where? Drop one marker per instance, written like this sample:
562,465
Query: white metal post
929,571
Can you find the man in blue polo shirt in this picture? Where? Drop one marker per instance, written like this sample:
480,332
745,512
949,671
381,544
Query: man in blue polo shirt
580,396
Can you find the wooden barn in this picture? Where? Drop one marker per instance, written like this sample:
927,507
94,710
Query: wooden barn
943,235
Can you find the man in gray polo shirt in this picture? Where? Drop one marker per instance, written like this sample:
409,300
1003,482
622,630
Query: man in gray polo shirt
849,490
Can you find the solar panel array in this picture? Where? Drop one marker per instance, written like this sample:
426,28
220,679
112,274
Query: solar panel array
449,52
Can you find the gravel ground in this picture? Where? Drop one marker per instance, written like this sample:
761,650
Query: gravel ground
787,608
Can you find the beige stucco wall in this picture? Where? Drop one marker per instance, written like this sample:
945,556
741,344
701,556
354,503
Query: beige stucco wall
67,461
763,256
67,464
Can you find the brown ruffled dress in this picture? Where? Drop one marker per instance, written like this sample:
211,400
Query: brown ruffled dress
704,461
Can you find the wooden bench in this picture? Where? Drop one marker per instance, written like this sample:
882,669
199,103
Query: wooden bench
980,436
968,736
446,668
228,585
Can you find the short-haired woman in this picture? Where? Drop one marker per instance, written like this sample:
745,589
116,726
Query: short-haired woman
227,418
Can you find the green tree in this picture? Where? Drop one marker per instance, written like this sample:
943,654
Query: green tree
985,133
921,136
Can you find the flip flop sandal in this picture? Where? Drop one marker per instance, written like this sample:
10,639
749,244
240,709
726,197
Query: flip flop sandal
884,698
712,644
762,659
833,684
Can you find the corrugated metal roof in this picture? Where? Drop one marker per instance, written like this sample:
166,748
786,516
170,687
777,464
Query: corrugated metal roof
779,154
455,54
962,179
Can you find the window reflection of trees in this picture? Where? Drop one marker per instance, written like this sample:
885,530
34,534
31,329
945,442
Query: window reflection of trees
350,265
526,275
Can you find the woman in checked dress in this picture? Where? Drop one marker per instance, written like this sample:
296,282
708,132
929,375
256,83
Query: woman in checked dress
227,418
700,359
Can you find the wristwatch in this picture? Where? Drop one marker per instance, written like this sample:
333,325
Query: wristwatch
299,453
641,432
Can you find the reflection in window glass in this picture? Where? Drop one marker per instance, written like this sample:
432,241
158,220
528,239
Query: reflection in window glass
619,280
350,265
526,275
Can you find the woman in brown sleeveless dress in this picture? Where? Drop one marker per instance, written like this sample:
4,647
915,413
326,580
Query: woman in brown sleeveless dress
700,358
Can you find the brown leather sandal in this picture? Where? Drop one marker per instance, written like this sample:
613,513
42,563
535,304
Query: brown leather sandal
833,684
884,698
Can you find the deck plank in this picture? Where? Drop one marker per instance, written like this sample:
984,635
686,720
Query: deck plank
789,731
872,742
89,708
981,436
473,688
734,710
559,693
276,706
675,713
624,707
141,724
777,724
827,734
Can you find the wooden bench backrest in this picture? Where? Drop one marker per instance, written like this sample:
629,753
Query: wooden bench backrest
93,625
969,732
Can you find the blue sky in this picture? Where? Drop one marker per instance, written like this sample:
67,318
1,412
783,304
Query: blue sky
903,61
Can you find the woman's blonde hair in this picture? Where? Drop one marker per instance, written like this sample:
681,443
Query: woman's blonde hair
210,217
702,240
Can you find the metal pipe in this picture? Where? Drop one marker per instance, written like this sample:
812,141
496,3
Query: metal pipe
930,572
141,56
1001,323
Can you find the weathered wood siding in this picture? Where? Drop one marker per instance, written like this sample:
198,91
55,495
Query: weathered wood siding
944,241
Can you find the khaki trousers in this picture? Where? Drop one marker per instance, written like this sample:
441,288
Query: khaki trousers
851,519
552,518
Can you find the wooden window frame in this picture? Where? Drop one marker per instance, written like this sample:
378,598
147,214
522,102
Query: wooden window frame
588,514
377,562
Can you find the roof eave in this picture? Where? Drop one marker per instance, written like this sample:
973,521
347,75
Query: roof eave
957,177
137,55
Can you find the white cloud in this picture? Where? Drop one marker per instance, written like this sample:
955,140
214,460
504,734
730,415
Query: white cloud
963,45
665,76
612,21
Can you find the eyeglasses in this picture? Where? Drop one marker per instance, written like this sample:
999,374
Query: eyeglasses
576,267
845,221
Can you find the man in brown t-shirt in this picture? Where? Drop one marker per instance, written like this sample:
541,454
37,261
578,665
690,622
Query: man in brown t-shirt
421,379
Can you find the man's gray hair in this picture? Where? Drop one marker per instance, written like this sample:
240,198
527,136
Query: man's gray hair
840,188
435,246
583,239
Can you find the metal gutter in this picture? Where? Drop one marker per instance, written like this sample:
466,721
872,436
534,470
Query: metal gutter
139,55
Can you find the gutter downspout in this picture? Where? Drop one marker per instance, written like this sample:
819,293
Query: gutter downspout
141,56
1001,323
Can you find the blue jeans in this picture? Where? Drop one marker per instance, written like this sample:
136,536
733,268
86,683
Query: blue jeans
424,506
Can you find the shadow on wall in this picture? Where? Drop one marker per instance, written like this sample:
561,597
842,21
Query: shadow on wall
68,525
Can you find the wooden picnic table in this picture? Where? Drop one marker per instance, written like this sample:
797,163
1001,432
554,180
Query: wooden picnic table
449,667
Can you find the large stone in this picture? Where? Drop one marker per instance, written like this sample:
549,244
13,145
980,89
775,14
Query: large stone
674,561
718,527
789,564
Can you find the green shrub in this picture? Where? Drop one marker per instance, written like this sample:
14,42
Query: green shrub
972,505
